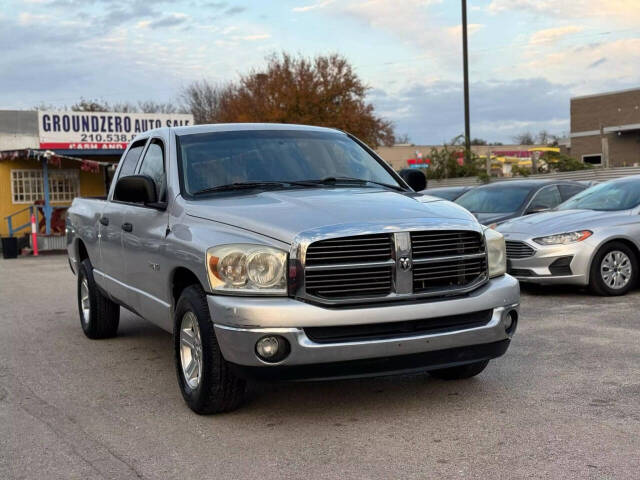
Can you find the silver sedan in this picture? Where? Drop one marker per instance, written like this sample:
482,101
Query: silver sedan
592,239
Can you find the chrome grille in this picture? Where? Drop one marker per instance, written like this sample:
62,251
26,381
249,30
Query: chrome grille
445,243
519,249
445,274
373,266
349,282
364,248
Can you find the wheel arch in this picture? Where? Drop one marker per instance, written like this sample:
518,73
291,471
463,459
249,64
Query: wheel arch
621,239
181,278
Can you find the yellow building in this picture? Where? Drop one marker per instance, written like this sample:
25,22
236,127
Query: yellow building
22,185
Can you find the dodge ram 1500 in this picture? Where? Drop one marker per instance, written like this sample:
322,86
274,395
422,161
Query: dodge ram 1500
287,252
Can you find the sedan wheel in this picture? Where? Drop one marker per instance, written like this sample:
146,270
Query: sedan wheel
616,269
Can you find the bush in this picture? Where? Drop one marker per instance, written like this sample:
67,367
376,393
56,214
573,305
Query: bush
445,163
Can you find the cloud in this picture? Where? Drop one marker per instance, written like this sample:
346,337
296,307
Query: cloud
568,65
313,6
252,38
170,20
234,10
624,12
471,29
551,35
433,113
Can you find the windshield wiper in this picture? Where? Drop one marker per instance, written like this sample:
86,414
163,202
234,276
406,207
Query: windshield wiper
250,185
347,180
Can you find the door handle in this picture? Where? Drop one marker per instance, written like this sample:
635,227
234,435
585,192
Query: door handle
127,227
104,221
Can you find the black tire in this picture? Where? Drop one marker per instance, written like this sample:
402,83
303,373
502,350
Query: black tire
597,283
103,314
218,390
460,372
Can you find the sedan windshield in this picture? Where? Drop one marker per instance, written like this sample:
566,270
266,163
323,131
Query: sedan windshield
505,199
276,159
610,196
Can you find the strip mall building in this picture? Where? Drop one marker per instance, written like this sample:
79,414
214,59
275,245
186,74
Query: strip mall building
49,158
605,128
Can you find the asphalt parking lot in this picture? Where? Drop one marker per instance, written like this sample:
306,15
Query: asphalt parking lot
563,402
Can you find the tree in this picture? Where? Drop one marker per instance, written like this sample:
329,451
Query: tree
524,139
205,101
478,141
402,139
323,91
147,106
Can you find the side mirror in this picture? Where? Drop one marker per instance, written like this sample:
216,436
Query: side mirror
414,178
136,189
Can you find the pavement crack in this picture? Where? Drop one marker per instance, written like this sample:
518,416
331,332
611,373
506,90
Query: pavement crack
94,453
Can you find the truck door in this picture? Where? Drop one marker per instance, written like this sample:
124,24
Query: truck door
145,244
110,273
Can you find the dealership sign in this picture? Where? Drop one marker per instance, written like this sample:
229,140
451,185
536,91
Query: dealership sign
100,130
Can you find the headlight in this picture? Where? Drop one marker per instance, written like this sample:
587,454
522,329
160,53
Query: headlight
497,253
246,268
564,238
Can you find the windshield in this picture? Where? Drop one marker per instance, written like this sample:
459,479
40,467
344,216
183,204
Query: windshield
619,195
210,160
449,194
507,198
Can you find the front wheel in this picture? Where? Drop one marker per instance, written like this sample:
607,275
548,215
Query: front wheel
460,372
205,379
614,270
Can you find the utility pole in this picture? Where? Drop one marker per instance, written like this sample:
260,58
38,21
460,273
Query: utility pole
465,67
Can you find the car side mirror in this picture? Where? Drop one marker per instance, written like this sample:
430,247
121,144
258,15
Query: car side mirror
414,178
138,189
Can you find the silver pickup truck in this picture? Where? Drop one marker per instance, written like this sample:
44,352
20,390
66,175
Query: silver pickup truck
287,252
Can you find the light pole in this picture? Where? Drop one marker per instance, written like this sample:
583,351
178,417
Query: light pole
465,67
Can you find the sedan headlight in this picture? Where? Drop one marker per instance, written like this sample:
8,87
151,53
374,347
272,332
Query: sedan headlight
246,268
497,253
564,238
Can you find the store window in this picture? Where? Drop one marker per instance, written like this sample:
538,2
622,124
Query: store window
27,185
592,159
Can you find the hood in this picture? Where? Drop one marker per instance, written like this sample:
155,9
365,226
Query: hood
282,214
559,221
489,218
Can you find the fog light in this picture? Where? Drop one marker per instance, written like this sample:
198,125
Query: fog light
272,348
510,321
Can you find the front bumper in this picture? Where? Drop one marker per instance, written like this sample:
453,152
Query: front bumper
539,268
240,322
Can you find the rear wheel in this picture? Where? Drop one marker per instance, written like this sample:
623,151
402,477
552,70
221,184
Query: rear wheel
99,316
460,372
614,270
205,379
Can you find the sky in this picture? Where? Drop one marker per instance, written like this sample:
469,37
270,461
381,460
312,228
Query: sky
527,58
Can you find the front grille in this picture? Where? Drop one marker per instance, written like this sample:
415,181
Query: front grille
364,248
364,266
442,243
519,249
349,282
381,331
448,274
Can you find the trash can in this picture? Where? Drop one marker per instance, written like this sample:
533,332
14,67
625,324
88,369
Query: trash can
9,247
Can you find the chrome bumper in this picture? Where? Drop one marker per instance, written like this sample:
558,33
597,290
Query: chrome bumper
240,322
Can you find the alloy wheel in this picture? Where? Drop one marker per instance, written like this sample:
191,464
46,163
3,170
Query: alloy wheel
191,350
616,269
84,301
